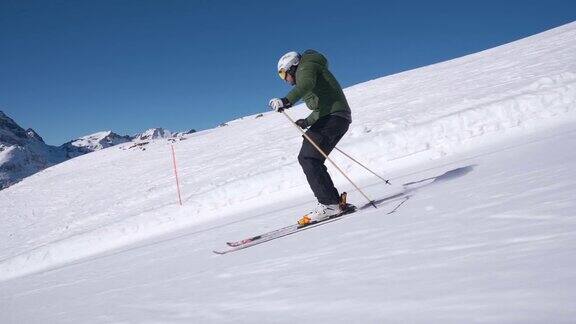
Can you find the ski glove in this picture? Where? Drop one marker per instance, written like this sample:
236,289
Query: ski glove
279,105
302,123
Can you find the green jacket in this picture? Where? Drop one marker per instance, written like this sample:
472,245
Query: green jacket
319,88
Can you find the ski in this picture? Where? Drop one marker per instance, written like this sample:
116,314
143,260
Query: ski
284,229
295,228
259,237
343,206
281,232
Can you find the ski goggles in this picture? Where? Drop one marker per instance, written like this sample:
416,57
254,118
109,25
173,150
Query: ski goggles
282,73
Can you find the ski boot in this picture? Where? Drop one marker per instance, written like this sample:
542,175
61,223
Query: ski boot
324,212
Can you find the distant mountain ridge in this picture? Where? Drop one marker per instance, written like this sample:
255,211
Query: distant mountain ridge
93,142
24,152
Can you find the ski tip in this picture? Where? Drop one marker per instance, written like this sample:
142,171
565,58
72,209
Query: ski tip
218,252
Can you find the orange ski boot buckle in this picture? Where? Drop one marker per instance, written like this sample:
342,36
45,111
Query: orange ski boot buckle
305,220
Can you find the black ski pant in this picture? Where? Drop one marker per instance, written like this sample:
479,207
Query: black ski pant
326,133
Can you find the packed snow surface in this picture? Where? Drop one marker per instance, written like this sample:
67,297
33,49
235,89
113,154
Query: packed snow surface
480,226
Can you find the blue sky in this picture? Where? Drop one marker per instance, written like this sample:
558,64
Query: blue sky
73,67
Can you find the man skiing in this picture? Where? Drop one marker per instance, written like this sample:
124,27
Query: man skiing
330,118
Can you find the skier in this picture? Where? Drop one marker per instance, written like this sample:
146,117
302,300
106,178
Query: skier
330,118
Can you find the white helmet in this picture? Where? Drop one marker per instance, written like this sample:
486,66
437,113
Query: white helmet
286,62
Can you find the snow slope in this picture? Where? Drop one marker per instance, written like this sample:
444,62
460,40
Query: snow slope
485,237
482,145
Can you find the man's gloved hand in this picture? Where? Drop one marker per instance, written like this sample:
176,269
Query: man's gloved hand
302,123
279,105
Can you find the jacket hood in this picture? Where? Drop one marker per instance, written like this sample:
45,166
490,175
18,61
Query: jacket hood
315,57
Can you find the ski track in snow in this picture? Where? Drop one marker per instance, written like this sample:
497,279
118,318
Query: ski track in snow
117,198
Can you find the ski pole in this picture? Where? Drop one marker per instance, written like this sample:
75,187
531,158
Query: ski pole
328,158
362,165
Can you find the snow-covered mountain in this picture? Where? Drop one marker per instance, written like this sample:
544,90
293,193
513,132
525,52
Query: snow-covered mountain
478,225
94,142
152,134
32,134
159,133
23,152
183,134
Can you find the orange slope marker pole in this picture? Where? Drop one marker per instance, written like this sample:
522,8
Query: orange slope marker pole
176,175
